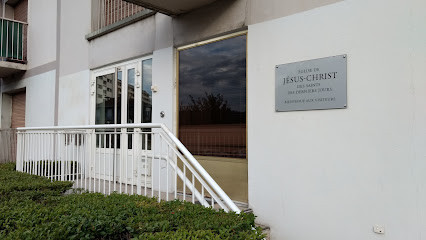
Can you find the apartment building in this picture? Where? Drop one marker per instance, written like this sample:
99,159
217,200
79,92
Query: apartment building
319,159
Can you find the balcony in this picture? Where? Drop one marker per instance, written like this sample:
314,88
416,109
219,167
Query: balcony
171,7
13,52
110,15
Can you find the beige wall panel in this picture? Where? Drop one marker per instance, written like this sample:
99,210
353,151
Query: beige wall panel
18,110
264,10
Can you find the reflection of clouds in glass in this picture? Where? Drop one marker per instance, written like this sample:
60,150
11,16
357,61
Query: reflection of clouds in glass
218,67
147,75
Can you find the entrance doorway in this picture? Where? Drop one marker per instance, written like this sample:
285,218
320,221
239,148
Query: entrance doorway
212,110
122,95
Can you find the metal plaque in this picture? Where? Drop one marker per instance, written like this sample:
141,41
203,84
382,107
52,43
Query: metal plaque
312,84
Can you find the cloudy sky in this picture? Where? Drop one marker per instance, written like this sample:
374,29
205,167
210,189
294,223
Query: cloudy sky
218,67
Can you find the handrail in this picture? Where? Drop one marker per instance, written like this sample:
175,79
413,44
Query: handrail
13,20
195,164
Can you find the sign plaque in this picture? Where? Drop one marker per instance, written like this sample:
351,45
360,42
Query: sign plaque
312,84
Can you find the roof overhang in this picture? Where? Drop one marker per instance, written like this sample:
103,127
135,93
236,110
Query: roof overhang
171,7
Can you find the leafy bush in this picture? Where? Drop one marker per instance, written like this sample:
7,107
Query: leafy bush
24,186
51,215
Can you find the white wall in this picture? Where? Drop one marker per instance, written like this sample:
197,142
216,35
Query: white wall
74,99
40,100
74,48
163,100
163,78
41,32
333,174
125,43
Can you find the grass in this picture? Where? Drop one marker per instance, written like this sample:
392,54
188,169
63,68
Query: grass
33,207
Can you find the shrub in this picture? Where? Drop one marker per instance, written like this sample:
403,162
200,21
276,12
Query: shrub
24,186
51,215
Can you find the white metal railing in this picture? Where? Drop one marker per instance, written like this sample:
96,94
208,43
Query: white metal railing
107,12
7,145
145,159
13,40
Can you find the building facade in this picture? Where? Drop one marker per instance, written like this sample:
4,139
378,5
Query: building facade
207,70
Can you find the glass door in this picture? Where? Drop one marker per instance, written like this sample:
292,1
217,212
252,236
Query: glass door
212,110
121,96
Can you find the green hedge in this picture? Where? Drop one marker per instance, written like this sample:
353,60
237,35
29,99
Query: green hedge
52,215
24,186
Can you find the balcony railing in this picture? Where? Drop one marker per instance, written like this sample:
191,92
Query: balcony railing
107,12
144,159
13,38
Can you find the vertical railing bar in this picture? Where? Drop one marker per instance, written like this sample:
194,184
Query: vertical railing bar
25,155
176,167
99,163
167,173
152,162
28,152
160,140
45,152
105,162
126,161
42,152
193,189
22,42
138,160
146,160
7,38
93,160
17,42
184,182
66,162
111,169
120,177
78,174
72,160
2,38
111,12
49,150
55,157
115,161
35,154
13,30
38,172
68,157
132,174
89,150
61,158
202,194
